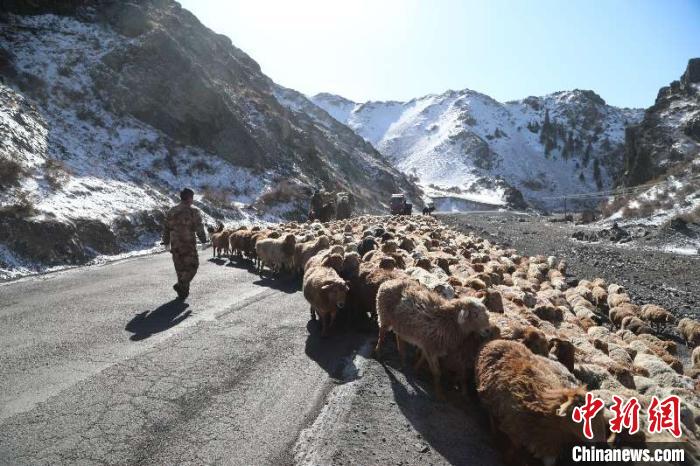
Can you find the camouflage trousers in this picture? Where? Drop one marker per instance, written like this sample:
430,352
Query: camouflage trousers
186,265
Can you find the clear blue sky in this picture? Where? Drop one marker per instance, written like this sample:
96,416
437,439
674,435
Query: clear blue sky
399,49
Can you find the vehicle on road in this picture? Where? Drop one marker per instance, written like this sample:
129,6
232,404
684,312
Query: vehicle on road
399,206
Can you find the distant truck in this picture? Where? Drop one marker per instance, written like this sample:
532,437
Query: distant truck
399,206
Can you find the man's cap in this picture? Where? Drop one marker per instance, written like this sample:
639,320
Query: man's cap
186,193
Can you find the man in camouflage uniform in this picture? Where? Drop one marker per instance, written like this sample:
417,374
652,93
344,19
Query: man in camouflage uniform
182,223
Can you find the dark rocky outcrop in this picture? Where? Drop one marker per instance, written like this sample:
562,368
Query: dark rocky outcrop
659,146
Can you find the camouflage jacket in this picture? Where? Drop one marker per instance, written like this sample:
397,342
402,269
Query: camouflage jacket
181,224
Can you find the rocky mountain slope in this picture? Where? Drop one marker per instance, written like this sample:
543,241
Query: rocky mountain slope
107,109
660,184
466,145
667,140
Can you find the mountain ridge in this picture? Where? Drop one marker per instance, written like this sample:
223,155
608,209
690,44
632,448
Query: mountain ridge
464,130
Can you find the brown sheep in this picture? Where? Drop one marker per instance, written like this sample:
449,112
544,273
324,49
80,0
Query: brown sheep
690,331
635,325
461,360
305,251
616,299
493,300
564,351
219,243
364,287
656,315
617,314
530,400
427,320
534,339
239,241
326,293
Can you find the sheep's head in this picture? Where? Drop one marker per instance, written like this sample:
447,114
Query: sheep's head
535,340
389,247
337,249
334,261
336,292
472,315
351,265
564,351
387,263
323,241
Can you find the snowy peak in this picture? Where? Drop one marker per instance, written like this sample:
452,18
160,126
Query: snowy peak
468,143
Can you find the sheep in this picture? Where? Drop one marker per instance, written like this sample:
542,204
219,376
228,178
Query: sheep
435,280
655,315
531,399
635,325
461,360
689,330
305,251
695,357
316,260
617,314
219,242
326,293
534,339
564,351
364,286
276,253
239,241
616,299
427,320
367,244
614,288
493,300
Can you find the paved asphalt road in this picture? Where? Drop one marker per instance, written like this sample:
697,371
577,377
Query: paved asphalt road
99,365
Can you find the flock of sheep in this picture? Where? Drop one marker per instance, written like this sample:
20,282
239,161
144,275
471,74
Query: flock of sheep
531,340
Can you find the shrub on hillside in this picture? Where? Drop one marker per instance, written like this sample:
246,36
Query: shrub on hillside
55,173
216,197
10,172
23,207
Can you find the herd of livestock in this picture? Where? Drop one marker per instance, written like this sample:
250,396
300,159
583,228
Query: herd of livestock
531,340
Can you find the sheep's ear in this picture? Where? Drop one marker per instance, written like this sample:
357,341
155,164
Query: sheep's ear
325,287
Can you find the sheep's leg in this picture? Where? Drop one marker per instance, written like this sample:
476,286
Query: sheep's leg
434,364
331,320
313,313
380,341
324,324
401,348
463,380
420,360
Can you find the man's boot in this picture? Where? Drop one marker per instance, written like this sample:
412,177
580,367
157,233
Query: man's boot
181,294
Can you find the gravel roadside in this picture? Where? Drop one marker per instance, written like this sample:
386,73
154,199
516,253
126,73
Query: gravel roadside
651,276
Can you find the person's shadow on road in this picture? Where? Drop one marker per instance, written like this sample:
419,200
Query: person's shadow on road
147,323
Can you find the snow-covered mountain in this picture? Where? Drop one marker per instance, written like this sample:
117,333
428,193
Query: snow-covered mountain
463,144
108,109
